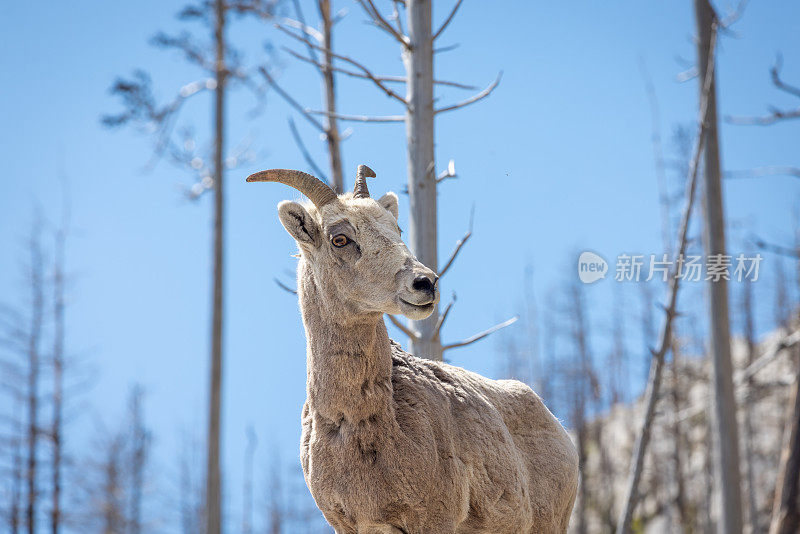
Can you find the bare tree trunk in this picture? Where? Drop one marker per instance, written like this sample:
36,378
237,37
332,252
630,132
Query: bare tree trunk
586,383
213,475
418,61
16,469
191,490
37,315
140,440
275,497
785,514
112,490
58,378
247,489
331,124
749,334
726,465
677,439
657,361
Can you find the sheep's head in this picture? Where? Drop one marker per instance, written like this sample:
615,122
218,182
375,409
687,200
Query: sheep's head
353,245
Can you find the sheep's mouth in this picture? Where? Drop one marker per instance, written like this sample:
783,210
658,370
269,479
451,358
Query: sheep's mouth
416,311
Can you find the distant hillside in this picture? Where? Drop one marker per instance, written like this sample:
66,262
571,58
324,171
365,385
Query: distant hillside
673,503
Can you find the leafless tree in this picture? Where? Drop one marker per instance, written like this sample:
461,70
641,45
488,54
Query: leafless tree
750,339
139,443
666,205
36,276
659,354
775,114
58,362
276,508
191,494
726,435
14,442
221,66
618,372
416,39
112,505
114,476
782,306
322,57
786,509
585,389
247,490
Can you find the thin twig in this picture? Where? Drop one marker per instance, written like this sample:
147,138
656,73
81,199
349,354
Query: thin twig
381,22
785,343
775,116
292,102
403,328
447,20
285,287
461,242
396,16
657,361
775,73
480,335
387,79
770,170
306,155
733,16
447,48
349,60
443,316
449,172
777,249
359,118
741,379
312,32
471,100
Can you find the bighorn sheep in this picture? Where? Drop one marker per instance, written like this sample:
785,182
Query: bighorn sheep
393,443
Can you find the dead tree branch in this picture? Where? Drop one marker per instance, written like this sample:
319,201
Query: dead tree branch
471,100
480,335
359,118
740,380
383,78
775,74
770,170
285,287
776,114
778,249
461,242
368,73
291,101
447,20
382,23
303,150
403,328
657,361
443,316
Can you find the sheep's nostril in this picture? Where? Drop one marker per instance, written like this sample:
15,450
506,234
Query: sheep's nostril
423,283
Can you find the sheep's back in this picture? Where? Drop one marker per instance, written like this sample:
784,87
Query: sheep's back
521,463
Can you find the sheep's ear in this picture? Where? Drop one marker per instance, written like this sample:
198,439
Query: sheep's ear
299,223
390,203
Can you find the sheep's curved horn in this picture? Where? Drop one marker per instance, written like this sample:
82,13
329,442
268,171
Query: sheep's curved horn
360,190
315,189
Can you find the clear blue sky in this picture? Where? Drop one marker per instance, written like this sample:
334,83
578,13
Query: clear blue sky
558,159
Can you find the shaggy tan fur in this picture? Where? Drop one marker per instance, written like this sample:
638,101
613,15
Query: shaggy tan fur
397,444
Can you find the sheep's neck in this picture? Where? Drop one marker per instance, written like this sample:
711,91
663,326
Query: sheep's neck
349,360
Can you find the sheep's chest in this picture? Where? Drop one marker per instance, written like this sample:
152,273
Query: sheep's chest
357,472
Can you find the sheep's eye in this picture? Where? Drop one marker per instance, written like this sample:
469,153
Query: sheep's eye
339,240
